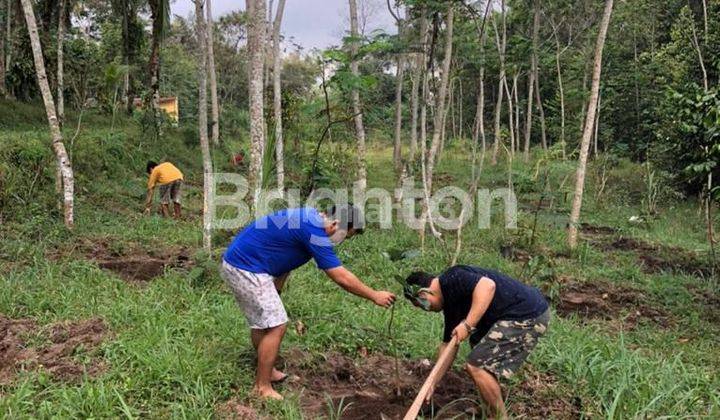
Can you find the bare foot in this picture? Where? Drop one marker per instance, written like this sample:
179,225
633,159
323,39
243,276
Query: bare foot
267,393
277,376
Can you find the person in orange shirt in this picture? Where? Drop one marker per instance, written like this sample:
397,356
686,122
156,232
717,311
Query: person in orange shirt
170,180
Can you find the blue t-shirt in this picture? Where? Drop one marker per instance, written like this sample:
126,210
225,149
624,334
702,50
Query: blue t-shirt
513,300
281,242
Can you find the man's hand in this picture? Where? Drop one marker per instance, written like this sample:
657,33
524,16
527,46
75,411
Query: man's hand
384,299
461,332
146,211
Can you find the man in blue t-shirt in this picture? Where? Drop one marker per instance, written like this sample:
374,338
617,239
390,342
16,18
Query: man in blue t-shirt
259,260
502,317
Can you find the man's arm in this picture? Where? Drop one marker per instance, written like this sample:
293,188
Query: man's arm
348,281
149,199
481,298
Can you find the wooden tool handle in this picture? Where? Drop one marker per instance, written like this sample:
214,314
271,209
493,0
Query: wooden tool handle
433,378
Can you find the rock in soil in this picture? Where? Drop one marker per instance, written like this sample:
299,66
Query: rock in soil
54,348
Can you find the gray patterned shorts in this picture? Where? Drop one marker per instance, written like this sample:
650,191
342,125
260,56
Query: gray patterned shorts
508,343
256,295
170,191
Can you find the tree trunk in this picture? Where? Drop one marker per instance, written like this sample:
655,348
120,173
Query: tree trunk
60,67
355,97
597,125
4,13
156,16
501,42
63,161
215,108
277,97
126,99
203,56
479,128
256,51
414,104
543,127
588,129
531,80
441,96
511,113
399,79
562,96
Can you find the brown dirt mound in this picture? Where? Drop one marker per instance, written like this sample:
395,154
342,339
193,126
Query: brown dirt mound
24,346
130,261
367,388
593,230
602,300
708,300
659,259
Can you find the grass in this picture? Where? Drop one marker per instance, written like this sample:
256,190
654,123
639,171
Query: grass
178,348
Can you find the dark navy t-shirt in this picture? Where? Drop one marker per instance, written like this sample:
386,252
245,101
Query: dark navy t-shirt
513,300
281,242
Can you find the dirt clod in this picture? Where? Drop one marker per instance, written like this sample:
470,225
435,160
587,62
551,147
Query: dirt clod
25,346
602,300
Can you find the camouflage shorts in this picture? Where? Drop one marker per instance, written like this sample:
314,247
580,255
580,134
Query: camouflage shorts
170,192
508,343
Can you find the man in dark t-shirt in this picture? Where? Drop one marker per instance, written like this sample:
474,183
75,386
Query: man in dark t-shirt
502,317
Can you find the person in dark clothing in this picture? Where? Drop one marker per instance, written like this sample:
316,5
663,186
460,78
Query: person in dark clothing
502,317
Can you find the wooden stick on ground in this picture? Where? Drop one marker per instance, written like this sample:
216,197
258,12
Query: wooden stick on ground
432,379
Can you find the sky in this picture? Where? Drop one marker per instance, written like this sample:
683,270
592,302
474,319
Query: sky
311,23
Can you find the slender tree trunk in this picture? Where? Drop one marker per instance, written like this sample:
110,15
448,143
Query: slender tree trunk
441,96
202,68
399,79
597,125
698,51
63,161
501,41
511,113
277,98
214,106
452,108
126,99
4,14
355,95
154,62
479,128
460,109
414,104
531,80
543,126
588,129
256,50
562,95
60,66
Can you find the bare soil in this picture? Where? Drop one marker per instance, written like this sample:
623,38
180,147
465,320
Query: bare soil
603,300
57,348
366,388
653,258
708,300
130,261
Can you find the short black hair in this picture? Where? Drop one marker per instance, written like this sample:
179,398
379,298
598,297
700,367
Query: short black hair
349,216
420,278
150,165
